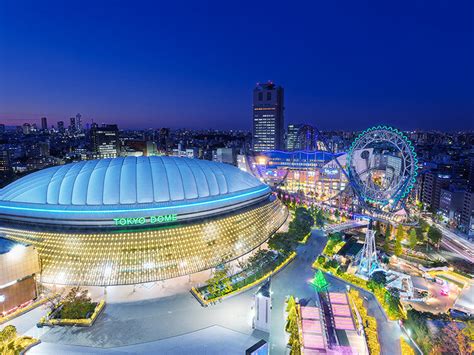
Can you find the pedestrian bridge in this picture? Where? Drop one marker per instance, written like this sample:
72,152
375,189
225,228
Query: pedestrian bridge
346,225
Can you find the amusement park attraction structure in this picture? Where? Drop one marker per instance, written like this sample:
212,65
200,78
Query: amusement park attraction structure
382,168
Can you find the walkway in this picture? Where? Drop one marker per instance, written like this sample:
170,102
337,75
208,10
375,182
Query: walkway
178,324
294,280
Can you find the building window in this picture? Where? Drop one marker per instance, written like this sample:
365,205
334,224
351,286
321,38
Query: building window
260,96
269,96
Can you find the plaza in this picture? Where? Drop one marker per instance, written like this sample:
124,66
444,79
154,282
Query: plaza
179,324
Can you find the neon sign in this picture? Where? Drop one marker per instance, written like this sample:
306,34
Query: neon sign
131,221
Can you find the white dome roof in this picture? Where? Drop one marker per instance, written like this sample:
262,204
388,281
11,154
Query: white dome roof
129,181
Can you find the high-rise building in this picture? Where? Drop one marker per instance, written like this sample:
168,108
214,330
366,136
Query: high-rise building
72,124
105,140
268,120
4,161
78,123
61,126
467,213
292,136
301,137
44,123
26,128
470,174
306,139
433,182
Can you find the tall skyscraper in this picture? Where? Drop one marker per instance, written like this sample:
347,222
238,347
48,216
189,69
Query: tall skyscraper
72,124
78,123
75,123
61,126
268,120
44,123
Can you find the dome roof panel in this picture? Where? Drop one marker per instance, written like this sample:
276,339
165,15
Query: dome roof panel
129,181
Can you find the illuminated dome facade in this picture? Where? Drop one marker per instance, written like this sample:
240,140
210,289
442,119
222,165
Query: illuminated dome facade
133,220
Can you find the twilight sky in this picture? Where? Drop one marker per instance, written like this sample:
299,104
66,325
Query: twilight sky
344,64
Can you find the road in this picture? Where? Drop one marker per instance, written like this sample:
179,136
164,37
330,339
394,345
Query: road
453,242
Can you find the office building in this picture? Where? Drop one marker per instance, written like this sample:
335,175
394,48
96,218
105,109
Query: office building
292,137
433,182
105,140
268,120
44,123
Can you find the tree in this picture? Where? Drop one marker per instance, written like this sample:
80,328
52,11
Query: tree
412,238
424,225
434,235
7,334
400,233
291,322
379,277
420,235
337,214
451,340
319,281
290,304
398,248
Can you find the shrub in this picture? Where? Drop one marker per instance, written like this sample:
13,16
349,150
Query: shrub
77,310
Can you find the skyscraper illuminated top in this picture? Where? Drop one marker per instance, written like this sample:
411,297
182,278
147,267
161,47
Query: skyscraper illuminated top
268,121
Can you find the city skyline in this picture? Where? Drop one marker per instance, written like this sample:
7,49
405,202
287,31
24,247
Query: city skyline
344,66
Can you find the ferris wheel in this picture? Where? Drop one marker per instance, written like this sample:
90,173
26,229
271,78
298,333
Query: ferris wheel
382,167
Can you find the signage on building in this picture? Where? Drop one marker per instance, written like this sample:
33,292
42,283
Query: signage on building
331,171
131,221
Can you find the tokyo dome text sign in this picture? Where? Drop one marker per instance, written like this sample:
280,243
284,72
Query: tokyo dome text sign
128,221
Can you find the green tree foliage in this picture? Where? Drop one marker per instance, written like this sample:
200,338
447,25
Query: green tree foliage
77,304
302,223
424,226
319,218
434,235
416,322
400,234
319,281
219,283
283,242
379,277
398,248
420,235
321,259
412,238
333,240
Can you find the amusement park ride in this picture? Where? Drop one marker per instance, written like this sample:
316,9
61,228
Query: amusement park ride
381,169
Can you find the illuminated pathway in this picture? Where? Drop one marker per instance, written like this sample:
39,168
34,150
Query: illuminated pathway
293,280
